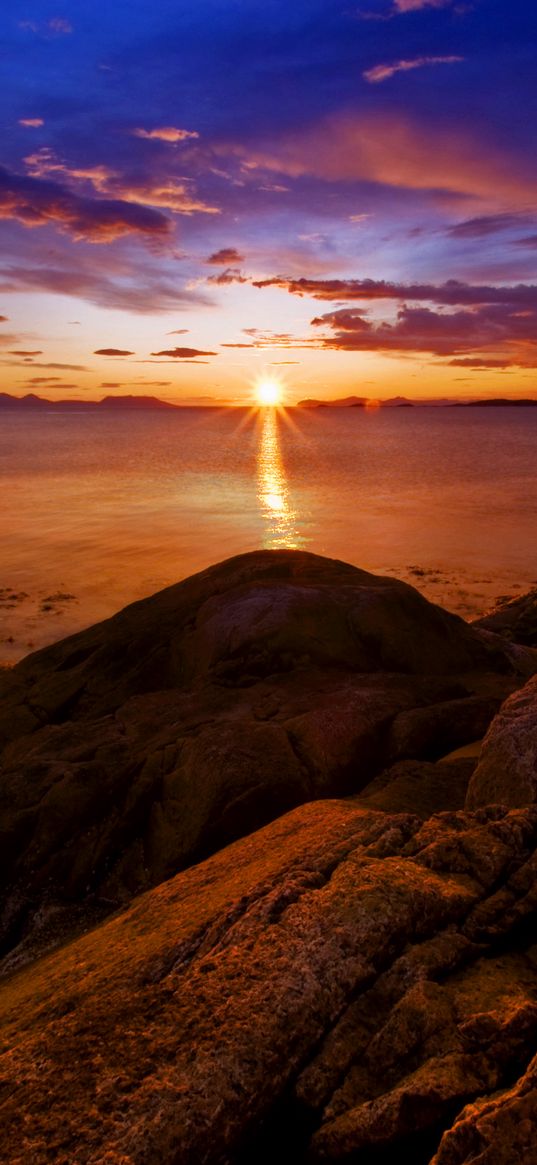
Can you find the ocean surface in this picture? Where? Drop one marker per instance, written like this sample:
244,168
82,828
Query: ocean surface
100,510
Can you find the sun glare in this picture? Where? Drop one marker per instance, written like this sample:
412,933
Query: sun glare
268,391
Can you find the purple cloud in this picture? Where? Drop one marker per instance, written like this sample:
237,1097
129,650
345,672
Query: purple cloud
36,202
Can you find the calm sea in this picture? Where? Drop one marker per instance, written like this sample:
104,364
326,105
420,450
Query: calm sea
103,509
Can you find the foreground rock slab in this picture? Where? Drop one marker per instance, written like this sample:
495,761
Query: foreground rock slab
340,984
193,717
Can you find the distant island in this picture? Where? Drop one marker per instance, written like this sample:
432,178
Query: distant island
355,402
496,402
365,402
40,403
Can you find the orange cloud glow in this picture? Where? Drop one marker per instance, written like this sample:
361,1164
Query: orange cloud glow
166,133
395,151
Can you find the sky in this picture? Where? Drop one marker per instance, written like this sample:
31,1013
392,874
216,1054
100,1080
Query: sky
340,194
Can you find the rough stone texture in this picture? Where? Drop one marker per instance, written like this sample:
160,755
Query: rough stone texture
499,1131
515,620
335,987
507,767
193,717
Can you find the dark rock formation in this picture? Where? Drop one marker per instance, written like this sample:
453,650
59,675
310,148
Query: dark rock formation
336,987
193,717
516,620
507,767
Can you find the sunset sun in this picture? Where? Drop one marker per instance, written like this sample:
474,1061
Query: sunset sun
268,391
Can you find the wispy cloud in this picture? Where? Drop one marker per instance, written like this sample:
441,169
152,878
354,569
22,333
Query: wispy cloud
489,224
129,287
178,195
60,26
384,72
56,26
230,275
415,5
31,122
395,151
166,133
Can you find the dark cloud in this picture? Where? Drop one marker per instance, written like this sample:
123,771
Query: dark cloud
509,335
527,241
452,293
43,379
112,352
231,275
38,352
183,353
178,332
488,224
4,319
37,202
226,257
478,365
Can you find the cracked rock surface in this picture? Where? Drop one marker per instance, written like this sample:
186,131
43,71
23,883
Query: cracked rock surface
343,985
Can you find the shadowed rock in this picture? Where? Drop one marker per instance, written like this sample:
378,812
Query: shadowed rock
191,718
334,987
515,620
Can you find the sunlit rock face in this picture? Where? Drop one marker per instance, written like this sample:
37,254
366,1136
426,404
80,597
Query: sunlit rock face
334,988
193,717
507,768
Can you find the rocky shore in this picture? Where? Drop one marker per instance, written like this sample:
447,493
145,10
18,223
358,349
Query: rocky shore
266,896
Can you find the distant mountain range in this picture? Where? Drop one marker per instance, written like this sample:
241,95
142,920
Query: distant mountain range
363,402
40,403
33,403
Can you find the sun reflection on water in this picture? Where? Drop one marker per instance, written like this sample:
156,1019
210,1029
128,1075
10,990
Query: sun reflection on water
272,487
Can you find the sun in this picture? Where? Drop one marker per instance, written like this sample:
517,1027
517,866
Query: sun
268,391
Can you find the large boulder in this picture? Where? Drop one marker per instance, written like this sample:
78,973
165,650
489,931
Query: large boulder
333,988
507,769
191,718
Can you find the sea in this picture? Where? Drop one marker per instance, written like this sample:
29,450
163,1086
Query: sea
100,509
